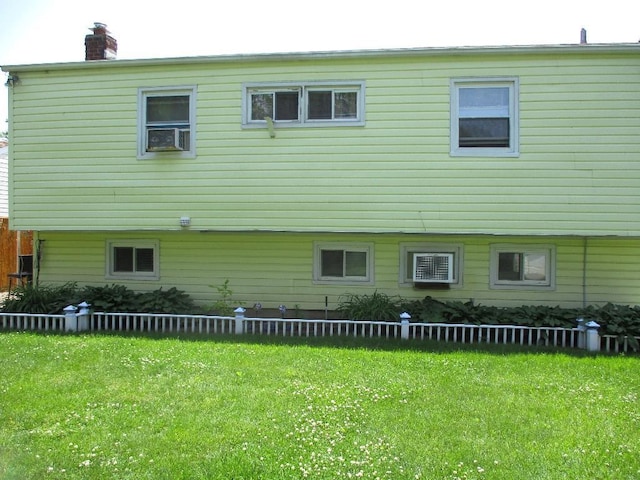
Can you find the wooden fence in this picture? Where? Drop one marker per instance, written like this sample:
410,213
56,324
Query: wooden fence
12,243
215,325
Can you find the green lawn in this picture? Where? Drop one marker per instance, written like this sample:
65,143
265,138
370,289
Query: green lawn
119,407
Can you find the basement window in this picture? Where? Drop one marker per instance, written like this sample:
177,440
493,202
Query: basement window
406,261
343,263
133,260
522,266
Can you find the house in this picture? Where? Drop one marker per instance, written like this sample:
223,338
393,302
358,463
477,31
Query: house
507,175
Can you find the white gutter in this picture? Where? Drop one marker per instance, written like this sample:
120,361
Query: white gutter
340,54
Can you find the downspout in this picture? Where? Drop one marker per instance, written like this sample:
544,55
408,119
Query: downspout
37,247
584,272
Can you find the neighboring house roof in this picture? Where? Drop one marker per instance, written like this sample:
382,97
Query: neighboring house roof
4,184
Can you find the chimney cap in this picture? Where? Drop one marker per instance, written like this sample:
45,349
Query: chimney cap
99,27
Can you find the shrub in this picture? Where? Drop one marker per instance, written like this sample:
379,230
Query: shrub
613,319
224,306
32,298
375,307
166,301
109,298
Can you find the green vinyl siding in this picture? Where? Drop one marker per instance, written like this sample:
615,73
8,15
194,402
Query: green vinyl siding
74,134
277,268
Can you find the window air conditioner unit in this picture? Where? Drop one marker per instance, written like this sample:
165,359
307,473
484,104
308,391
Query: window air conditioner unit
167,139
433,267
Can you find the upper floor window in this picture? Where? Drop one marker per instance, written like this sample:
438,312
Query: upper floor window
332,104
484,117
312,103
166,122
522,266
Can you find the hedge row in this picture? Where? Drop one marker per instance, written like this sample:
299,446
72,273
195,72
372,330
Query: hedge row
613,319
109,298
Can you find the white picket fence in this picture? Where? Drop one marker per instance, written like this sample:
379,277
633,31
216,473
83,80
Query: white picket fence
239,325
32,321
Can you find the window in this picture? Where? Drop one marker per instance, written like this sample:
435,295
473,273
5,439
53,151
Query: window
310,104
341,263
522,266
166,122
332,104
278,105
408,250
132,260
484,117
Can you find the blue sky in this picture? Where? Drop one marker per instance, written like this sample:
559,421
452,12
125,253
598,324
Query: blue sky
52,31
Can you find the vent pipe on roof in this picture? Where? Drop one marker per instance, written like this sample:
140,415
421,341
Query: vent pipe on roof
100,45
583,37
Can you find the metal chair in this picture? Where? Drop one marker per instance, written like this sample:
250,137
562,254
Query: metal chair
25,271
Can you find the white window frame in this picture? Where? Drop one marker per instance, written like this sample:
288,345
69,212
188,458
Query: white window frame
549,283
152,244
367,248
143,94
266,90
303,88
513,150
405,272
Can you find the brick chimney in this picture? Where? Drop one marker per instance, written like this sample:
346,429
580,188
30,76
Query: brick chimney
100,45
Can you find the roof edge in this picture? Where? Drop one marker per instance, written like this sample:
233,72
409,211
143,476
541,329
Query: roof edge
337,54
